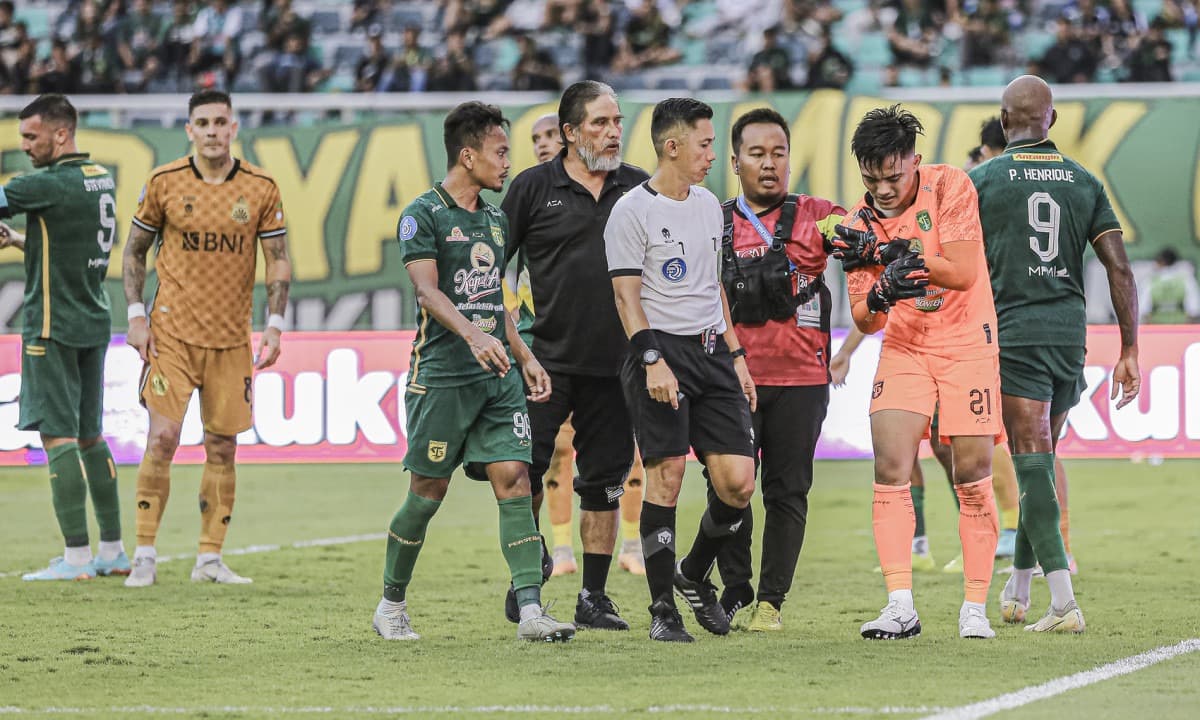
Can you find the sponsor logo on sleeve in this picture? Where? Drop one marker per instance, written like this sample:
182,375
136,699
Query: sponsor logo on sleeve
408,228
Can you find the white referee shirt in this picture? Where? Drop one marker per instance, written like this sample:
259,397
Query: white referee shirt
675,247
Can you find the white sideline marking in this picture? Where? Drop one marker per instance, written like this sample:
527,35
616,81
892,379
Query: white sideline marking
254,549
1061,685
457,710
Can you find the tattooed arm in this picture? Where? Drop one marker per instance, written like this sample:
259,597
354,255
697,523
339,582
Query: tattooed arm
134,276
279,280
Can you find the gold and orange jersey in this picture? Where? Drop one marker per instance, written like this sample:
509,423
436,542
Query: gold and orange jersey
207,248
944,322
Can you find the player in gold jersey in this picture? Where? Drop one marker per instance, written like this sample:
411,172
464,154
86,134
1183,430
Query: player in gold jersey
208,213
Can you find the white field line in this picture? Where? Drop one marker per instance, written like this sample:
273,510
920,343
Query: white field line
1058,686
254,549
457,710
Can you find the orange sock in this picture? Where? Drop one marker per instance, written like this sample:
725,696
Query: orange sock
894,521
217,489
978,531
1064,525
153,489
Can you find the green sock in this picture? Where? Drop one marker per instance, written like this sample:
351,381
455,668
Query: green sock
1024,557
522,547
102,482
1039,509
918,497
69,492
406,536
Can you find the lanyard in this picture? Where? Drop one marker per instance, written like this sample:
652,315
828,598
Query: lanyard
767,237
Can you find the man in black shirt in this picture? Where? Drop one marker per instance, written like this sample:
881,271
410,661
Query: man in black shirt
557,212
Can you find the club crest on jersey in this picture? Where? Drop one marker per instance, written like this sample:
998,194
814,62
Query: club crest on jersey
877,390
241,211
674,270
408,228
158,384
497,235
437,451
923,221
456,235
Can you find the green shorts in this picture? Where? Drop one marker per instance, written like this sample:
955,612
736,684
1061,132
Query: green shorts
1050,373
62,389
472,425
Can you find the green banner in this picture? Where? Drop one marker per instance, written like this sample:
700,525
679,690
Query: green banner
343,186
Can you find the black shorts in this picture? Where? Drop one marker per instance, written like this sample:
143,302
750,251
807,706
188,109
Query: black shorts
713,415
603,436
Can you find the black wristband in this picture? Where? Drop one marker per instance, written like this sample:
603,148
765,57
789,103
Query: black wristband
643,340
740,352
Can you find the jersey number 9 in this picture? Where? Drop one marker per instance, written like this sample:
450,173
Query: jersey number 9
108,222
1049,225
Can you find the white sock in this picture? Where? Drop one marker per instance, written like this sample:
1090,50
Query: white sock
1061,592
203,558
968,605
1018,585
145,551
904,597
78,555
110,549
920,545
387,606
530,611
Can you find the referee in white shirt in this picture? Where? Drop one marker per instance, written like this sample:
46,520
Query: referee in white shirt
685,380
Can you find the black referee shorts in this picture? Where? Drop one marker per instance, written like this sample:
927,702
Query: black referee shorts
603,437
713,415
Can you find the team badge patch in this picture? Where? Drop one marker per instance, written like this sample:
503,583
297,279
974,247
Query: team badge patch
241,211
674,270
924,221
437,451
159,384
877,390
497,235
408,228
142,196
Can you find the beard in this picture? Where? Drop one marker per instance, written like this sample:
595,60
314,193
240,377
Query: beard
598,163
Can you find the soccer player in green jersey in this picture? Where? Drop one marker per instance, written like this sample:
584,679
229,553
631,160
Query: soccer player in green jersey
71,223
1040,210
463,403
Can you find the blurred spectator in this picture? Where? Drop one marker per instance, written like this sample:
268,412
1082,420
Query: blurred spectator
367,13
1070,59
986,39
992,141
216,32
410,73
561,13
178,36
646,42
1172,294
12,37
454,71
138,42
535,68
111,19
914,37
828,67
96,67
55,74
86,21
293,70
1151,59
810,17
280,21
596,23
369,73
486,16
17,67
1125,27
770,68
891,76
8,30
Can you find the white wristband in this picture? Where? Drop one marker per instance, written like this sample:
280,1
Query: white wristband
275,321
137,310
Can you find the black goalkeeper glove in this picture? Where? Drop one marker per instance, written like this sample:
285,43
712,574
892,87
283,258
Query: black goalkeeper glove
904,278
855,248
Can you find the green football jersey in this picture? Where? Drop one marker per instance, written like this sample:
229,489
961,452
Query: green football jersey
70,228
468,248
1039,211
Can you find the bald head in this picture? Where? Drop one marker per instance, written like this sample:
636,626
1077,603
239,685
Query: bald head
546,138
1027,109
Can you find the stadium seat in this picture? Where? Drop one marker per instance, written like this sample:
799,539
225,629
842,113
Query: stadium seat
406,15
672,82
325,22
347,56
716,82
873,51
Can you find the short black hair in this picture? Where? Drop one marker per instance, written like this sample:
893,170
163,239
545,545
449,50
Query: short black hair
766,116
1167,256
54,108
673,112
467,125
209,97
991,134
885,133
572,108
975,154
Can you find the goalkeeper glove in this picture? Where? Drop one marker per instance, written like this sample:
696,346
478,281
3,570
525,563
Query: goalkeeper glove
904,278
855,248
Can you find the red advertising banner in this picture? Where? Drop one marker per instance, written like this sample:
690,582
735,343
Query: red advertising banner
337,397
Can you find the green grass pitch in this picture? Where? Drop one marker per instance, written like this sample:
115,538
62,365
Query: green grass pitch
298,642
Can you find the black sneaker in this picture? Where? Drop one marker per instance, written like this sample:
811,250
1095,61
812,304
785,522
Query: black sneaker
547,562
736,597
512,612
598,612
701,596
666,624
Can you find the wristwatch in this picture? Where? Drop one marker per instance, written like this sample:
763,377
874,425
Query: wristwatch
651,356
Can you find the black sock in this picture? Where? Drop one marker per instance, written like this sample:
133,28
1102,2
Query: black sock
717,525
595,572
658,550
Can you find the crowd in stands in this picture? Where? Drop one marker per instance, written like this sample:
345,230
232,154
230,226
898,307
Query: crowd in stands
128,46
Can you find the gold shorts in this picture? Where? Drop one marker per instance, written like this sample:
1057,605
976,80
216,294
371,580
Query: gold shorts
224,377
